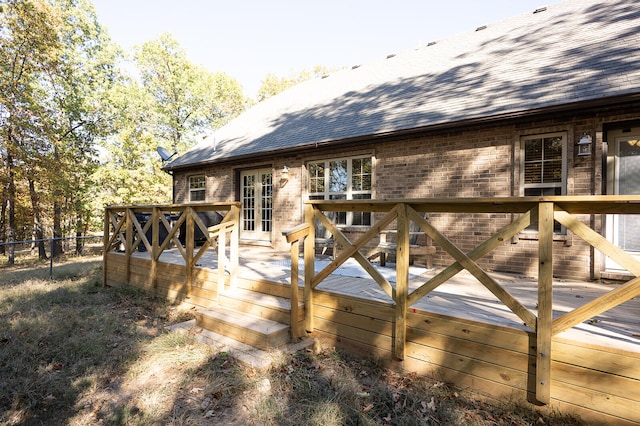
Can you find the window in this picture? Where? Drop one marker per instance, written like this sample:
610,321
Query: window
544,168
342,179
197,188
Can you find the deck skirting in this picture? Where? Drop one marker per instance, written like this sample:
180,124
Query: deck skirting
597,382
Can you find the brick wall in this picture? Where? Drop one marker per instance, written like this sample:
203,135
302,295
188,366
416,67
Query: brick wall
475,162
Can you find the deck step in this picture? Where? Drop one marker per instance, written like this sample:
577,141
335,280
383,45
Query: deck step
260,304
250,329
248,355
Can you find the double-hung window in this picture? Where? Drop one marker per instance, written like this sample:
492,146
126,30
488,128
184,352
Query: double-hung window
342,179
544,166
197,188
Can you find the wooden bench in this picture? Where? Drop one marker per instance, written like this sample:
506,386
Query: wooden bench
385,248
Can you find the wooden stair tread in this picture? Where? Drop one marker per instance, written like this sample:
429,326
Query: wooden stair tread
262,299
235,318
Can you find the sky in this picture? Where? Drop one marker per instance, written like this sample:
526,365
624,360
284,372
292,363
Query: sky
247,39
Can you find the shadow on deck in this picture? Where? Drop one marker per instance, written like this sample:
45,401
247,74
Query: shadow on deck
579,353
461,297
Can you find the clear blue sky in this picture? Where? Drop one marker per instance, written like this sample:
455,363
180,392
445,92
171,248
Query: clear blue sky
248,39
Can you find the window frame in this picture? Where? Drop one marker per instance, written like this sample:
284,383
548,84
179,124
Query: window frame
563,184
200,189
348,194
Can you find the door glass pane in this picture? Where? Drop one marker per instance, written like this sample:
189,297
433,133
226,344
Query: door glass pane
629,184
249,199
267,202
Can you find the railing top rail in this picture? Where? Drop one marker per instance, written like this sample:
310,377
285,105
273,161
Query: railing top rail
595,204
178,207
297,232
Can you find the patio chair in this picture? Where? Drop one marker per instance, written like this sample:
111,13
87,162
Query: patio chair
416,250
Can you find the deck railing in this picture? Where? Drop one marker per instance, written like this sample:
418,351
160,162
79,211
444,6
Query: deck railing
153,229
525,212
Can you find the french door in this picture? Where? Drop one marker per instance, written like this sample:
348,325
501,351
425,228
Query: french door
256,196
624,230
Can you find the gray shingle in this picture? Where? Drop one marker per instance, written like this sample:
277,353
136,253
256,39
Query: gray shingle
577,50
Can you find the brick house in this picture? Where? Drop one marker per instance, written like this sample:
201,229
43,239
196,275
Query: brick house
546,103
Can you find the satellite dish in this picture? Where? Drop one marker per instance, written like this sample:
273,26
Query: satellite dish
165,154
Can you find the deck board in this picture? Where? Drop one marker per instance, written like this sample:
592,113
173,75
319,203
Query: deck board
462,296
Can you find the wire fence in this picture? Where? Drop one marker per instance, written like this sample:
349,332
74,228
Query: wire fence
49,243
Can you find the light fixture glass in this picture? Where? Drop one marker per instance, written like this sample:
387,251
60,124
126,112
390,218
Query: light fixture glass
584,145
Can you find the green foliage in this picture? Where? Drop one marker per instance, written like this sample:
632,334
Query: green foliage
57,65
186,100
78,133
170,102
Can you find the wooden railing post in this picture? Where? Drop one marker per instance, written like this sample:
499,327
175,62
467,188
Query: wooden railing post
309,267
545,302
402,282
128,246
234,242
222,247
155,246
294,236
295,308
189,247
106,238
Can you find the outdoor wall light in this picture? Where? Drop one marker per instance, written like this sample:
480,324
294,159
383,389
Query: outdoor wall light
284,175
584,145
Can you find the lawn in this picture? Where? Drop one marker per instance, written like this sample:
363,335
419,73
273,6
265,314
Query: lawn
74,352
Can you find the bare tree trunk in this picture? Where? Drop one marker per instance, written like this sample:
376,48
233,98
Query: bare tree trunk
79,240
11,206
38,233
3,230
57,229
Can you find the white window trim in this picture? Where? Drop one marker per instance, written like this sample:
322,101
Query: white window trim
192,190
563,184
350,192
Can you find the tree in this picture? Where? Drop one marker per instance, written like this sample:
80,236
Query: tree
29,48
77,116
171,104
187,100
130,167
57,65
62,94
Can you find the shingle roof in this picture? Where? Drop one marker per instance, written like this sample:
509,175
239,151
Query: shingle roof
576,50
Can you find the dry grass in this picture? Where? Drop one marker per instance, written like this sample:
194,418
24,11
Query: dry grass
76,353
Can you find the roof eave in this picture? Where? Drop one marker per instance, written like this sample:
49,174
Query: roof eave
573,107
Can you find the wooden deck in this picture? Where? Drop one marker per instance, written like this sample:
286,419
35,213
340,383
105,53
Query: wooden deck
459,331
461,297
